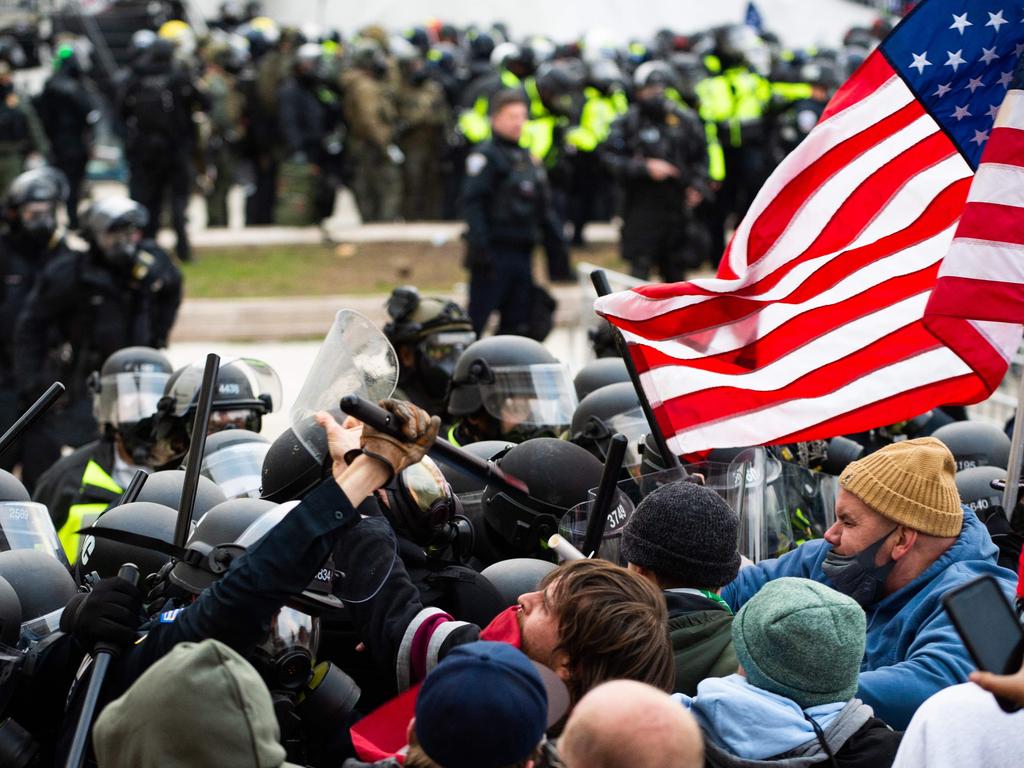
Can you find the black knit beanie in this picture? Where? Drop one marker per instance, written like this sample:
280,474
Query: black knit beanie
684,532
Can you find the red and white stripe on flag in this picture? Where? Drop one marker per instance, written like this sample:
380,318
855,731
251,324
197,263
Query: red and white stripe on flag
977,305
813,326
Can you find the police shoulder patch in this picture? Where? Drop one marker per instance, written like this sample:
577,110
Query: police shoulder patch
168,617
475,163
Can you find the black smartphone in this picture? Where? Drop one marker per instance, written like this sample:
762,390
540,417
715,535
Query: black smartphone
989,627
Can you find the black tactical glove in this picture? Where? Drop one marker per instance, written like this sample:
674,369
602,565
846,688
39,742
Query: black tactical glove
110,614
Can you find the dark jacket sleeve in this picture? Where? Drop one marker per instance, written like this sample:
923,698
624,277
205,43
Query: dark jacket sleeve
52,296
477,188
406,638
616,156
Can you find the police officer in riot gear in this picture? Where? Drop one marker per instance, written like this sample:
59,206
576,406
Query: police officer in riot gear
247,389
507,206
428,334
658,154
124,291
509,388
28,241
80,486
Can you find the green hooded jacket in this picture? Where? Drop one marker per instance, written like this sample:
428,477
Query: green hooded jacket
201,704
701,634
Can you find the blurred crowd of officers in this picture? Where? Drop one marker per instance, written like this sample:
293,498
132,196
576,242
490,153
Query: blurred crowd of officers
292,115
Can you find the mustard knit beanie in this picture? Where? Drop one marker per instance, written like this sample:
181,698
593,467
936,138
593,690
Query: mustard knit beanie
911,483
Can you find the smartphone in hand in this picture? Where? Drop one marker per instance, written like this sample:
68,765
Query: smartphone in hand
989,628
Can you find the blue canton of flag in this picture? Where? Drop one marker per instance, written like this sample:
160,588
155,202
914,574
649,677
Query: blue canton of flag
753,18
959,57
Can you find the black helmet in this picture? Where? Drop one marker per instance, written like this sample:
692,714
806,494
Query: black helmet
126,393
42,584
655,73
481,45
558,82
560,475
143,518
606,411
974,485
463,482
243,385
165,488
513,378
975,444
113,227
289,470
222,524
110,214
11,488
40,185
437,329
233,459
517,576
691,70
606,76
600,373
10,614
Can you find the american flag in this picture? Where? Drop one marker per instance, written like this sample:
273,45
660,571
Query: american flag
815,323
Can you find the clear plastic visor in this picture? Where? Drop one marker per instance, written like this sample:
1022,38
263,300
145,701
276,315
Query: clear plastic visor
27,525
128,398
237,469
531,395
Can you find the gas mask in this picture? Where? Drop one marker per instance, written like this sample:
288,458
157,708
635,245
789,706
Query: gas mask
119,247
39,230
436,355
857,575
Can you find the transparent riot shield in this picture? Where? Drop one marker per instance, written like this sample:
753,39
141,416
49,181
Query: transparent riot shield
355,358
573,525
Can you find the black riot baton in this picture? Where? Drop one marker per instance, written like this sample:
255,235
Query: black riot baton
606,493
102,654
29,417
195,450
382,421
603,288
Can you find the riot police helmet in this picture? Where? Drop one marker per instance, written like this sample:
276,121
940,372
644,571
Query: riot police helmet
974,485
606,76
233,459
655,73
481,45
11,488
558,83
142,39
559,474
126,393
517,382
10,614
39,185
429,334
113,226
599,373
165,488
43,586
307,57
221,524
975,444
610,410
290,469
143,518
246,390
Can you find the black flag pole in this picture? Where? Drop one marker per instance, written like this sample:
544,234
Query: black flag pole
29,417
603,288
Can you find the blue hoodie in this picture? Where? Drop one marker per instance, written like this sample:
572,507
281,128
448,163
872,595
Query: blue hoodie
912,650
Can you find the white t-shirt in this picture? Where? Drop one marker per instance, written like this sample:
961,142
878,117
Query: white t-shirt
962,726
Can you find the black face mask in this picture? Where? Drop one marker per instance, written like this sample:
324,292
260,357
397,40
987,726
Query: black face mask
857,575
39,231
655,106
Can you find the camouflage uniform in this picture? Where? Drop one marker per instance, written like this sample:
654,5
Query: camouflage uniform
422,115
371,116
226,131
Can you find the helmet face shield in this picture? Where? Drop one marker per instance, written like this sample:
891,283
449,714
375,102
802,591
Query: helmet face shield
633,424
540,395
129,397
289,651
573,526
241,383
237,469
40,628
443,348
27,525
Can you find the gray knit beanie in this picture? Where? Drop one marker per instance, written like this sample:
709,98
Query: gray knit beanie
685,532
802,640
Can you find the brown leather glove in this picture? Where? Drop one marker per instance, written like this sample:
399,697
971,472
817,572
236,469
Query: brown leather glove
419,429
